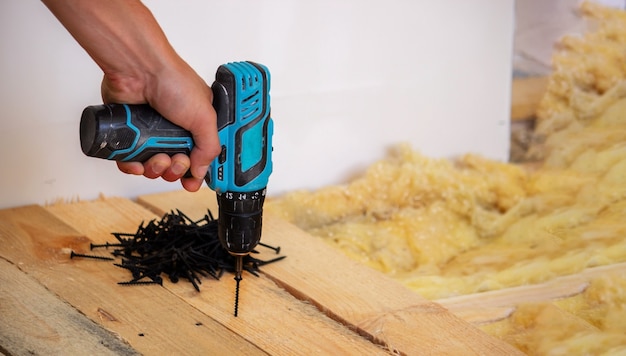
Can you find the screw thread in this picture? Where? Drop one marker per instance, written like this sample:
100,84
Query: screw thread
104,258
238,280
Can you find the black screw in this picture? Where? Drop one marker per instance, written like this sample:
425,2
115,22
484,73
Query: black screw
74,254
137,283
238,280
107,245
262,263
277,249
177,247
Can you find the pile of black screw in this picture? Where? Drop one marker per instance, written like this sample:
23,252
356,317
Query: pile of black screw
177,247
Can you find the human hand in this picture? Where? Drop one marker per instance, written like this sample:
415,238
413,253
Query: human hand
181,96
140,66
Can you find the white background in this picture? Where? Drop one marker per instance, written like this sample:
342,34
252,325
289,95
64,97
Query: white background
350,78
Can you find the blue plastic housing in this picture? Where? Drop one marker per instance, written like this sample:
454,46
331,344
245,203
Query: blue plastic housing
245,128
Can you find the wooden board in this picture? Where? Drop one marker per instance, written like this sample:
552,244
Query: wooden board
35,321
366,301
526,93
151,319
314,301
492,306
270,318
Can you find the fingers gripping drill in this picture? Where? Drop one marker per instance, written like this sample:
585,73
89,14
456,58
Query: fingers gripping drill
239,175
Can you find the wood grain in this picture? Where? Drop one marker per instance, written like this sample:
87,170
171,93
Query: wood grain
365,300
526,94
492,306
269,318
151,319
35,321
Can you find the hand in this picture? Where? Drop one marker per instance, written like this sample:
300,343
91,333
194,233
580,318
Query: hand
181,96
140,66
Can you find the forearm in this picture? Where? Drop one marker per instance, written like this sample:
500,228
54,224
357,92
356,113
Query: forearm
121,36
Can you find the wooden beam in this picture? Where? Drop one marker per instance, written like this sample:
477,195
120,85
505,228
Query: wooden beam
526,94
269,318
151,319
365,300
492,306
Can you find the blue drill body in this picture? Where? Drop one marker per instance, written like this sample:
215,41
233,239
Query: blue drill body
245,130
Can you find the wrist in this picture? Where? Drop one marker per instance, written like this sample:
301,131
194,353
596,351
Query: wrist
169,81
140,82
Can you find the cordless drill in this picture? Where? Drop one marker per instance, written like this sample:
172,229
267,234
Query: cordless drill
239,174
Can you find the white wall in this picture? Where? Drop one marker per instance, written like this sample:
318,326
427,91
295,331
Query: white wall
350,78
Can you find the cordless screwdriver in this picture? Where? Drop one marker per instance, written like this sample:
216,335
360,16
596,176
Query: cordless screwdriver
239,174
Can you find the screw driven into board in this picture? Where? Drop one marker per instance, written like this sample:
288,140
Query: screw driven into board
237,279
238,270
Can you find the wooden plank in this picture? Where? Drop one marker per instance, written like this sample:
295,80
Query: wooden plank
365,300
269,317
526,94
492,306
489,307
35,321
152,320
478,315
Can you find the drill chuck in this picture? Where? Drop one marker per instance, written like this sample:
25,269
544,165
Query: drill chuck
240,220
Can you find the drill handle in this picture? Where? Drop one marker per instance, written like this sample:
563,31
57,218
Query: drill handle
123,132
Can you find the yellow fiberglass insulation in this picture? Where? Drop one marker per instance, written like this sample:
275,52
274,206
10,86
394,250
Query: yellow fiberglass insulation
447,228
455,227
590,323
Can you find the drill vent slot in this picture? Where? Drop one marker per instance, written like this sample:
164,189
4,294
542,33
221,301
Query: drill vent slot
253,96
251,82
251,113
250,106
